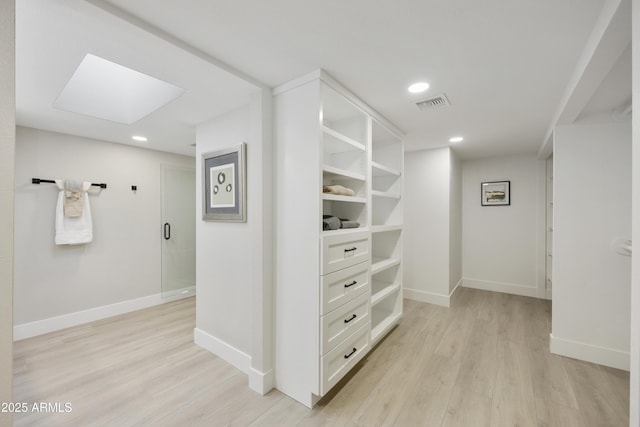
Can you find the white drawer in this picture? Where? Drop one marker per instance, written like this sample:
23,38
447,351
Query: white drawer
344,285
342,322
344,250
341,359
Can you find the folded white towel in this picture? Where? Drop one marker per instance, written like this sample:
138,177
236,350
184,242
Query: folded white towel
74,230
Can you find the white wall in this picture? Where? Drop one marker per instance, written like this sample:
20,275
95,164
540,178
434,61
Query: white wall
500,243
455,223
634,397
123,261
592,207
7,147
233,260
426,232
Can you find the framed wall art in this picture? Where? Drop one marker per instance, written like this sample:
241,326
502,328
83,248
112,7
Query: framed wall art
496,193
224,184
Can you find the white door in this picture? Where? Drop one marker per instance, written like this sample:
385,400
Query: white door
178,231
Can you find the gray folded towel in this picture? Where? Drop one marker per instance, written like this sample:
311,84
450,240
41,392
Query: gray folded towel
349,224
330,222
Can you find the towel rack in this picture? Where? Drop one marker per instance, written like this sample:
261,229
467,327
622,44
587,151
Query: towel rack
51,181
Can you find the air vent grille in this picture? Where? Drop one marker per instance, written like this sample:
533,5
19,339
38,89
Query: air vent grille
437,101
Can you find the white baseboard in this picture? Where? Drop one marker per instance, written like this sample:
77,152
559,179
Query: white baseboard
507,288
261,382
590,353
455,288
177,294
52,324
224,351
430,297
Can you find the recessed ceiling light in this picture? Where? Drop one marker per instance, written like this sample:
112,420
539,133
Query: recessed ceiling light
456,139
139,138
418,87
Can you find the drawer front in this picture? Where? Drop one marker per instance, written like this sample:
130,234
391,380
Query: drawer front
342,322
341,359
344,250
344,285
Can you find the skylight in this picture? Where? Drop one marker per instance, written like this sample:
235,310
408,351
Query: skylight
109,91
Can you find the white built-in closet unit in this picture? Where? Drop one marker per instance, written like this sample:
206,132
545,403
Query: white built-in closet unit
337,292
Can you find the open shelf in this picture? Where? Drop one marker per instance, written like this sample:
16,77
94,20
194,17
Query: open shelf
380,264
386,307
349,199
338,142
381,289
382,322
378,169
385,194
335,173
385,228
386,211
343,231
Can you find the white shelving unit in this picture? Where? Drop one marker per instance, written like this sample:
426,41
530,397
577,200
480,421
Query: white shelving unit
337,291
387,154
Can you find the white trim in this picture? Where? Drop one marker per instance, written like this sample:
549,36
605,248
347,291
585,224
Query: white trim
455,288
178,294
590,353
325,77
163,35
428,297
541,235
226,352
508,288
261,382
300,81
52,324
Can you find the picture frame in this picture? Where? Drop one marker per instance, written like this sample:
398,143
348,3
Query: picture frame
224,184
495,193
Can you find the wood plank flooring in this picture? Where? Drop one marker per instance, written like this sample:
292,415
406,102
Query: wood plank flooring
483,362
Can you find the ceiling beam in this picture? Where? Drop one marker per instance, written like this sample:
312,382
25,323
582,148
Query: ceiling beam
610,37
158,32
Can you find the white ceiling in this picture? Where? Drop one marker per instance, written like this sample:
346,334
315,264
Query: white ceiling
53,37
504,65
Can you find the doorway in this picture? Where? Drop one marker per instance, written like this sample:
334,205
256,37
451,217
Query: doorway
178,232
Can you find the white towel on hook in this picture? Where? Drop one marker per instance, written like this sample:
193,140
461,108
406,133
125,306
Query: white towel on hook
75,230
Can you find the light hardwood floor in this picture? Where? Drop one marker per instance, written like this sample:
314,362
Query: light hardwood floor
483,362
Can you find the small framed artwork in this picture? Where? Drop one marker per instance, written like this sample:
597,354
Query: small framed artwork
224,184
496,193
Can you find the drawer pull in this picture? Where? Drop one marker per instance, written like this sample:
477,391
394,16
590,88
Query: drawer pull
349,320
351,250
346,356
350,284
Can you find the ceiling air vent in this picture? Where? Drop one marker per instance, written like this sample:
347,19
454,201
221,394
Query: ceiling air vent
434,102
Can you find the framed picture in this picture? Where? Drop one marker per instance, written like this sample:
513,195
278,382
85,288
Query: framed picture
224,185
496,193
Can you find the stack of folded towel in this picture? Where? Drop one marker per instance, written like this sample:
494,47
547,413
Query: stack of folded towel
338,190
73,213
330,222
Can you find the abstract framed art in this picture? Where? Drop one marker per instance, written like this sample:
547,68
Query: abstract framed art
496,193
224,184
